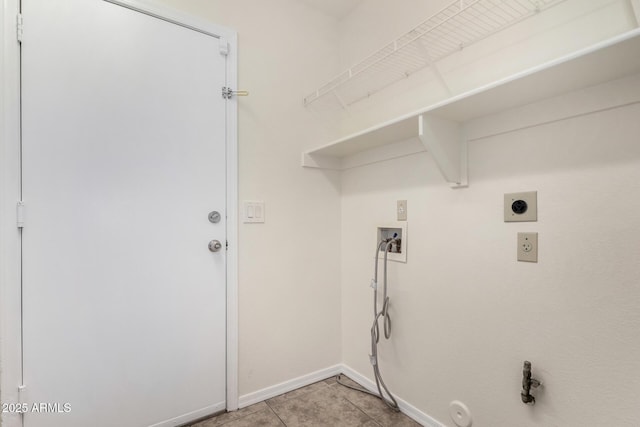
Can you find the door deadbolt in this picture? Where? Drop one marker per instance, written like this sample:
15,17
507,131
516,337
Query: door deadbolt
215,245
214,217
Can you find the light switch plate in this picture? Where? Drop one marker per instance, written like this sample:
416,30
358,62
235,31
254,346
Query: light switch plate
402,210
528,247
252,212
521,206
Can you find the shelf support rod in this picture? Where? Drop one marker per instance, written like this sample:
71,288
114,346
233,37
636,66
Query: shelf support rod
635,5
341,101
434,66
445,140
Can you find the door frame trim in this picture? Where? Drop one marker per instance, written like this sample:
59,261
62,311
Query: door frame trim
10,193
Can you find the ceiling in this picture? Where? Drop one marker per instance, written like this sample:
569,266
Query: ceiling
336,8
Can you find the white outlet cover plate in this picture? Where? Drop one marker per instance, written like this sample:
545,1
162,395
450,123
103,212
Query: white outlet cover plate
531,214
528,247
402,210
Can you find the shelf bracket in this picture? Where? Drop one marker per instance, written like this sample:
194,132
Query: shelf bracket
434,66
341,101
444,139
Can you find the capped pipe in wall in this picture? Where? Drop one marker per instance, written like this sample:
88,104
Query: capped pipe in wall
460,414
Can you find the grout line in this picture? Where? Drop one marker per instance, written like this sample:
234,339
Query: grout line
276,414
270,405
321,382
268,408
213,417
361,410
373,417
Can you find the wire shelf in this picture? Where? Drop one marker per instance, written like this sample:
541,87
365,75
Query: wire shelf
460,24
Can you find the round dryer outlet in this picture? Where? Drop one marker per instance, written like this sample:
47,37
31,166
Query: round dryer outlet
460,414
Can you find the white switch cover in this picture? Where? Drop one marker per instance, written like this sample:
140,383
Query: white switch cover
528,247
252,212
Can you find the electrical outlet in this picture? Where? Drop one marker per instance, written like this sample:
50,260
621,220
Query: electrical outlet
521,206
402,210
528,247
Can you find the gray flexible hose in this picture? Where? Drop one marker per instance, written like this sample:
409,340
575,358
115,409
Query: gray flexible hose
389,400
375,337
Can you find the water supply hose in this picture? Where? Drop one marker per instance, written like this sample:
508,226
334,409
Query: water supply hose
389,400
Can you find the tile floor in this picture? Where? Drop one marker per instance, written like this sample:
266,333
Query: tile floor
325,403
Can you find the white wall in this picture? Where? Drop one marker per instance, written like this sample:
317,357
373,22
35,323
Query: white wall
289,279
465,313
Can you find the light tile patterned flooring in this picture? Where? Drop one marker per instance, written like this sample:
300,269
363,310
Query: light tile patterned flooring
325,403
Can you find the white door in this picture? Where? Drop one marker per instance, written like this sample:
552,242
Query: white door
123,159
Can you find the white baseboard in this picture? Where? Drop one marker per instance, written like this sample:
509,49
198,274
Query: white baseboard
406,408
284,387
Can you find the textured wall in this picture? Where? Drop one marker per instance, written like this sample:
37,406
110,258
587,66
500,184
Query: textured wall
465,313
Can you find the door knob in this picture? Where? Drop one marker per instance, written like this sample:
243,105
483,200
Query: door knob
215,245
